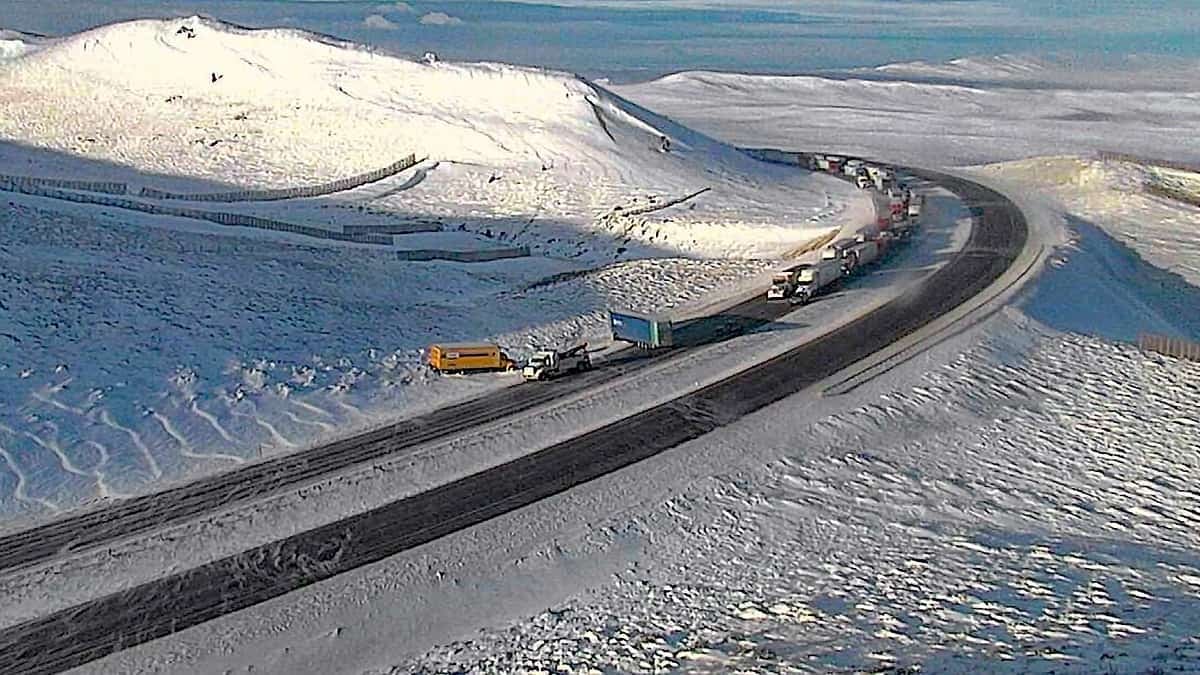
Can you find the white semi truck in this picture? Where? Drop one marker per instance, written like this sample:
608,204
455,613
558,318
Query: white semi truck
841,251
783,284
550,363
810,279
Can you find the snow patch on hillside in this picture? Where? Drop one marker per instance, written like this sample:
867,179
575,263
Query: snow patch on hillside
1113,195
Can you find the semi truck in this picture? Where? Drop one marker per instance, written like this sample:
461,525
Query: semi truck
546,364
643,330
810,279
840,251
783,284
467,357
864,252
915,205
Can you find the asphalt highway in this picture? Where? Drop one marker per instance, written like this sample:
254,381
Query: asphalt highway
94,629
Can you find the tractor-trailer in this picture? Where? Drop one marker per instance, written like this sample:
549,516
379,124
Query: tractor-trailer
640,329
812,278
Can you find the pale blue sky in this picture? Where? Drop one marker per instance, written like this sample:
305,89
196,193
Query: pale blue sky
636,39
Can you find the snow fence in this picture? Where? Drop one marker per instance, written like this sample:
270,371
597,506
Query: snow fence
1178,348
329,188
23,183
464,256
228,219
1138,159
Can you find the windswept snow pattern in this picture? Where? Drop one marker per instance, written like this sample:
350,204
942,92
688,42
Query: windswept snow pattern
136,353
139,351
1061,537
1114,196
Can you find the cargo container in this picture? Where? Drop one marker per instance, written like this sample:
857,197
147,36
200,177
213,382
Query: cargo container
467,357
865,253
640,329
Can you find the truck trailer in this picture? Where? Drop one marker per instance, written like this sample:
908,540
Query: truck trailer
810,279
467,357
642,330
865,252
840,250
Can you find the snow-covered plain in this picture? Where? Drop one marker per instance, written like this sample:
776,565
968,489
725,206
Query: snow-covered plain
136,351
1019,498
1016,499
986,116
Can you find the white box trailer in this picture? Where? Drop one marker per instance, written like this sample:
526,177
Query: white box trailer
812,278
864,252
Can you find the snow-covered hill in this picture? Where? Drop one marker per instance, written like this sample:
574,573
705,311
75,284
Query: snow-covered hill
15,43
204,99
137,349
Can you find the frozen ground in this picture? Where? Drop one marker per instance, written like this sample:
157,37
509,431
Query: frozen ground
1017,499
1020,498
976,111
1113,196
341,605
1061,538
136,351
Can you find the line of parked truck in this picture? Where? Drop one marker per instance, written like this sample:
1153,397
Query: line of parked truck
846,256
797,285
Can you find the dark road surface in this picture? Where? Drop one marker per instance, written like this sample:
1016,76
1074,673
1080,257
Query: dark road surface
97,628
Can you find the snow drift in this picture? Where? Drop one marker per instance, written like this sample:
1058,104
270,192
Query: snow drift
143,349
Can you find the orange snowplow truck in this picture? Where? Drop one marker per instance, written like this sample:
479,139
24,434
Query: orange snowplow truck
463,358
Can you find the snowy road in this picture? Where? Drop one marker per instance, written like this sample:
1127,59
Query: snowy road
165,606
95,528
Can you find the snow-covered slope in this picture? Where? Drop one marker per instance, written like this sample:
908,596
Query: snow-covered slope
204,99
1130,73
138,349
15,43
910,119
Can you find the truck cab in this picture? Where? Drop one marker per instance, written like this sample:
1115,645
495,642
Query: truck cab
782,286
546,364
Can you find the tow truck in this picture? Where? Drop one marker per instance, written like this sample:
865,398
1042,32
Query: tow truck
546,364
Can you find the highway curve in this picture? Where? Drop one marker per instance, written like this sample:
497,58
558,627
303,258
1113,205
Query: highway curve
91,529
94,629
